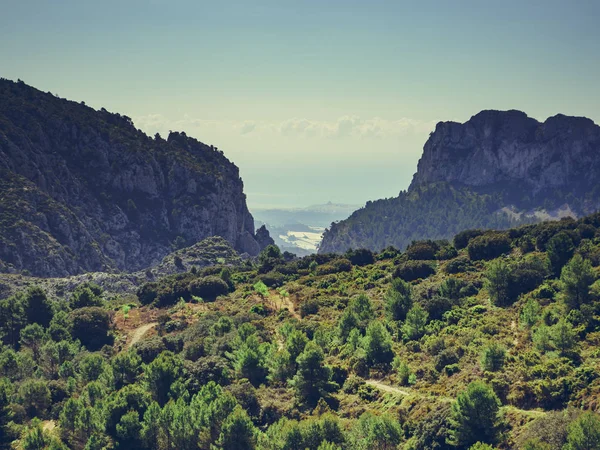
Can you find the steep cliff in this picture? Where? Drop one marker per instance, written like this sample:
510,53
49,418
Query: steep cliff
507,147
499,169
84,190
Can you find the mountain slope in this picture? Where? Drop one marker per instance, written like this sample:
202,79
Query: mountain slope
499,169
84,190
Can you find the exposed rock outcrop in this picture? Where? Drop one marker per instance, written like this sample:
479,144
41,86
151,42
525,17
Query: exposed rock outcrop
83,190
505,147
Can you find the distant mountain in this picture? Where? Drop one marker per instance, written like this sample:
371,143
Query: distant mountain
499,169
299,230
83,190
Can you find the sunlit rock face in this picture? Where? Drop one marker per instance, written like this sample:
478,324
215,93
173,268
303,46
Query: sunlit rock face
499,147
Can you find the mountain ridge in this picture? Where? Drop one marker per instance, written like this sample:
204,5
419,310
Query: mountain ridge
84,190
495,162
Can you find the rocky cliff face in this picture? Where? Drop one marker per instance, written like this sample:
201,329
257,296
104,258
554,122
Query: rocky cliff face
84,190
507,147
497,170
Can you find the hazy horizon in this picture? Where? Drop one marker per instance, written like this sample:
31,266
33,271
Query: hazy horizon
314,102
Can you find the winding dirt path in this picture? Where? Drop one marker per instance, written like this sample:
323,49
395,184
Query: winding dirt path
139,333
533,413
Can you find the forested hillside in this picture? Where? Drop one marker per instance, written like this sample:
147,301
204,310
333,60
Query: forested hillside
486,341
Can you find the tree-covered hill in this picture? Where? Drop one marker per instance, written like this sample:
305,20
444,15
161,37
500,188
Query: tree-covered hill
488,341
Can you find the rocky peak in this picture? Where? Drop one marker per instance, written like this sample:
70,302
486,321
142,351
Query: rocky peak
500,147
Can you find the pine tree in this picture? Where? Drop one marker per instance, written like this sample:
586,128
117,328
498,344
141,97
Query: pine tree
475,416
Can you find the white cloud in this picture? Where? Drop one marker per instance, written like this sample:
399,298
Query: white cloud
343,127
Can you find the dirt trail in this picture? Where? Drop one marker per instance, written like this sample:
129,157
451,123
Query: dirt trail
403,391
48,425
139,333
513,327
388,388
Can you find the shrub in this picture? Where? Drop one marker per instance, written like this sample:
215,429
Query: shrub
462,239
147,293
458,265
360,257
209,288
308,307
488,246
272,279
335,266
413,270
422,250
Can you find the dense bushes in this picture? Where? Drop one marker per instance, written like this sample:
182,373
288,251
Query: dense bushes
335,266
413,270
208,288
488,246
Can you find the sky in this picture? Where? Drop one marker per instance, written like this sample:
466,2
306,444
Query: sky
315,101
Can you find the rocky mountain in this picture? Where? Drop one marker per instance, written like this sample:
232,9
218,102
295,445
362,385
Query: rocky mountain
83,190
499,169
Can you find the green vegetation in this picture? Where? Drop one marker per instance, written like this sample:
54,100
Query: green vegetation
357,351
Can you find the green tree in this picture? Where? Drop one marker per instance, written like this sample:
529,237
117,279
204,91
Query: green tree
584,432
86,294
32,337
475,416
398,299
530,313
498,282
35,438
416,320
151,427
91,326
347,322
161,373
34,395
261,289
238,431
129,431
492,358
5,413
542,338
560,249
378,344
376,432
12,319
402,370
575,280
38,308
563,336
312,380
249,360
295,343
126,368
363,308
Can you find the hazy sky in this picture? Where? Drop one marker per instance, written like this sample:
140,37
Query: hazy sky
313,100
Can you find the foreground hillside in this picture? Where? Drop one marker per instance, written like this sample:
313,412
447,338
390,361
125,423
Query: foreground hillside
84,190
488,341
497,170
